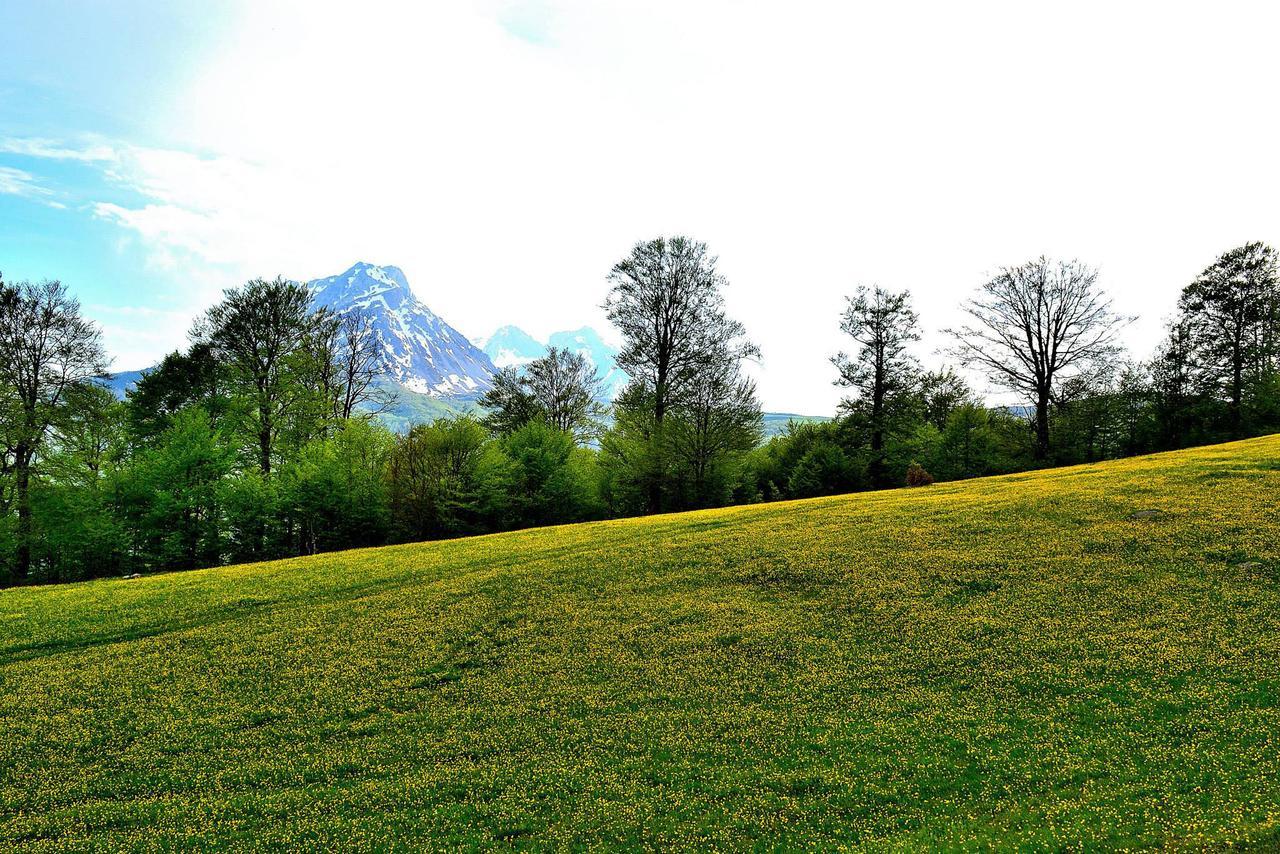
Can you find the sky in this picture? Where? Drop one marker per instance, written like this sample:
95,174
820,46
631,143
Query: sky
506,154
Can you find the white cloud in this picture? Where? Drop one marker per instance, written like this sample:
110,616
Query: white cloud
90,152
505,155
16,182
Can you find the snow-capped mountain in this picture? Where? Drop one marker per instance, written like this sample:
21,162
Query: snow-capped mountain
511,345
420,351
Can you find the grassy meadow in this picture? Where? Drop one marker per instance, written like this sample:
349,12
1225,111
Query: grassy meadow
1016,661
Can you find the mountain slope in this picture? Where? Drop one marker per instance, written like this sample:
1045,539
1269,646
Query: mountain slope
1014,662
420,351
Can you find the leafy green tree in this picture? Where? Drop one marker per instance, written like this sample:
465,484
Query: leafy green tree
264,335
966,445
825,469
559,388
1232,312
175,494
508,404
546,480
632,457
336,490
711,427
666,301
47,349
180,380
437,475
1174,373
255,526
565,386
942,392
77,531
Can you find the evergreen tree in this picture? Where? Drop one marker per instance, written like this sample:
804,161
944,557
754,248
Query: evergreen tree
882,372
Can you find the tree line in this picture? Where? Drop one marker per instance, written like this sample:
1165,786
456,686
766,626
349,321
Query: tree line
261,440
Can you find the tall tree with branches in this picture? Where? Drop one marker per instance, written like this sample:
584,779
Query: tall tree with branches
47,351
666,301
1035,325
882,372
262,333
1232,311
565,388
560,388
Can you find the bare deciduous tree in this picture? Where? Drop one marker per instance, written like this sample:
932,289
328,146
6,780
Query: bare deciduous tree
350,357
1033,326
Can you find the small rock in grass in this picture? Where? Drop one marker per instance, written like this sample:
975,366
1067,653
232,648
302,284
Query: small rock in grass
1150,514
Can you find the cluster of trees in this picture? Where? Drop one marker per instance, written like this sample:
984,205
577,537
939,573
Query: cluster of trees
261,440
1047,334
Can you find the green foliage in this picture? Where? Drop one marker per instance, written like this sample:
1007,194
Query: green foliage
77,533
967,446
508,404
253,444
180,380
548,480
825,469
440,479
175,494
882,373
335,493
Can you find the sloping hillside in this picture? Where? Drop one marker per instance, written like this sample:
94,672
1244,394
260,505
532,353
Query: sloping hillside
1020,659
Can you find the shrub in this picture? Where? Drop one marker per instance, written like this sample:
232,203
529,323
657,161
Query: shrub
917,476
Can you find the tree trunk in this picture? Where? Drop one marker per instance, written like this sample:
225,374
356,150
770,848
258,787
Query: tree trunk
264,450
1237,394
659,413
1042,427
22,486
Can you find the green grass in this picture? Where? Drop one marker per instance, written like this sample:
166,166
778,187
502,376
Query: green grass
1011,661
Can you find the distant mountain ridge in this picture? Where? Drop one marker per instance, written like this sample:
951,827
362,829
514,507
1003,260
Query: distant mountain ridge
511,346
420,351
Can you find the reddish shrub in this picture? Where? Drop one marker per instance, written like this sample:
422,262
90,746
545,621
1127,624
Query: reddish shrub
917,476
